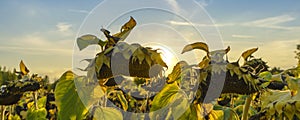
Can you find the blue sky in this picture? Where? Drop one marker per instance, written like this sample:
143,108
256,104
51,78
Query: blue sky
42,33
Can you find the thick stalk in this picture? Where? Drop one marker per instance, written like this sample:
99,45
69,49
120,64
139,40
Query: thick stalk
231,104
35,96
3,112
246,107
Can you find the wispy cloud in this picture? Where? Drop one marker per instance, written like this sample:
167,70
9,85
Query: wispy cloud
204,3
37,51
63,27
242,36
174,5
36,44
272,22
79,11
200,25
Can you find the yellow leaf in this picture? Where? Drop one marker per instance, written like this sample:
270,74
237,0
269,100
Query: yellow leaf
24,70
125,29
176,72
129,25
204,63
248,53
197,45
122,35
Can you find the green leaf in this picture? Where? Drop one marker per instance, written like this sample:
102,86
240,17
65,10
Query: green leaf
176,72
293,84
171,101
100,60
230,114
264,85
266,75
248,53
189,114
289,111
197,45
87,40
39,114
106,113
67,100
165,96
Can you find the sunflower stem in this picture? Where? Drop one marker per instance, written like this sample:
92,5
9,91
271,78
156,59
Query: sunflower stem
35,96
246,107
3,107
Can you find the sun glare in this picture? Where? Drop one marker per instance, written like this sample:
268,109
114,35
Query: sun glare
167,55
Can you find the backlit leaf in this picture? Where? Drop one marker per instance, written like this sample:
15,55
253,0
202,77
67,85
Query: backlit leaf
67,100
248,53
266,75
176,72
197,45
157,58
171,102
122,35
24,70
87,40
204,63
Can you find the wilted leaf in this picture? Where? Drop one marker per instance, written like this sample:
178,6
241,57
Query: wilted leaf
197,45
24,70
139,54
67,100
125,30
157,58
122,35
227,49
204,63
87,40
248,53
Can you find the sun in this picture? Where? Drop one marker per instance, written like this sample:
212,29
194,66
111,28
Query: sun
167,54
